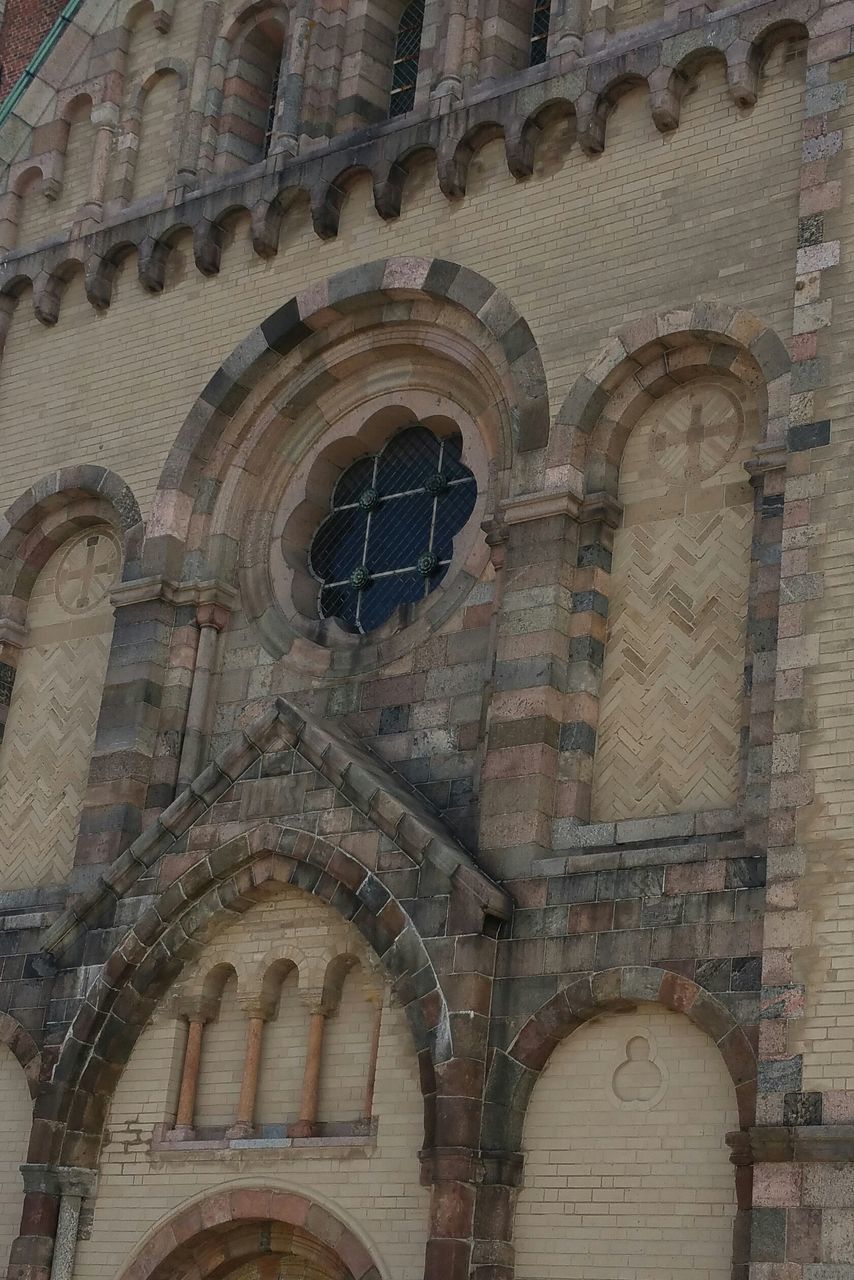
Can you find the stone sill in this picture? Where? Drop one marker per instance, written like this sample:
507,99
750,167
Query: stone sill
807,1144
638,842
349,1136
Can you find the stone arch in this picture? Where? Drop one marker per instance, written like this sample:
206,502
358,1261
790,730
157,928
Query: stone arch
220,885
241,1222
608,398
49,511
18,1040
307,317
515,1070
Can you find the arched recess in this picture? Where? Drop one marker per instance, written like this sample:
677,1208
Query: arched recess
388,292
212,892
653,376
626,1162
62,546
514,1071
251,87
247,1223
20,1065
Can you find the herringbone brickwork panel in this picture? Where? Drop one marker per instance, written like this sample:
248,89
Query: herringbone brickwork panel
44,759
672,700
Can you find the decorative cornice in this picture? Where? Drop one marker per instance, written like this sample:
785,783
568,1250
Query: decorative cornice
143,590
540,506
662,55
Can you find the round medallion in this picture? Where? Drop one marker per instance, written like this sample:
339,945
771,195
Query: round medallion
697,433
87,570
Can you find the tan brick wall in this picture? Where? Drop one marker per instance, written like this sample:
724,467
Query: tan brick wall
44,757
285,1041
156,160
629,13
15,1113
377,1190
583,247
77,170
826,827
626,1169
671,709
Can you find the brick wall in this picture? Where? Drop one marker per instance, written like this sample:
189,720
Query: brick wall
15,1119
25,23
626,1168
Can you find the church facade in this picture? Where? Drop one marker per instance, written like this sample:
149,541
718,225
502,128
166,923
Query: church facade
426,694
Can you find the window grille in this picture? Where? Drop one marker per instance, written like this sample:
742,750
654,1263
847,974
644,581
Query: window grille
404,70
388,539
540,32
270,122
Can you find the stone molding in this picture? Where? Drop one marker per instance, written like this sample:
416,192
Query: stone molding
586,88
361,778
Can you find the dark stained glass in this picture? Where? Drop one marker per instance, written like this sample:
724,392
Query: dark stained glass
404,71
388,539
540,32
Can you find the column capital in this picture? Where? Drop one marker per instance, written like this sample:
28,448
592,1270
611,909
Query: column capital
12,635
601,508
766,458
59,1180
195,1008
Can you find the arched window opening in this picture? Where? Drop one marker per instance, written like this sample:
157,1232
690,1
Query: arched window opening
272,103
388,539
540,32
404,74
250,97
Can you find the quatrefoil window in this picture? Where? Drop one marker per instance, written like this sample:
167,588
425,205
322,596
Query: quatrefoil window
388,540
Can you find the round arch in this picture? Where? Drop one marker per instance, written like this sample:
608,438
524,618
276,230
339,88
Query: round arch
515,1071
245,1223
651,356
23,1048
49,511
213,891
387,281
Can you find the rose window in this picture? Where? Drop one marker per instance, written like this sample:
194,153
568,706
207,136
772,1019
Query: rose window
388,540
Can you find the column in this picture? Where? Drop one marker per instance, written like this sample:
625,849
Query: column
451,82
288,122
75,1185
212,620
196,1013
566,27
306,1126
188,166
105,118
244,1125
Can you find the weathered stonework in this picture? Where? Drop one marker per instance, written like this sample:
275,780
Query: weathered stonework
300,961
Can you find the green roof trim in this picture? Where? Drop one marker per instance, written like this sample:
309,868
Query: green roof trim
32,68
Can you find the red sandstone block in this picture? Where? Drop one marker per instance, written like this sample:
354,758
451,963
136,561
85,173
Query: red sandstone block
695,877
591,917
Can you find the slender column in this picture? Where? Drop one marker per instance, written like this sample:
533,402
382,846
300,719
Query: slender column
244,1125
188,167
288,123
197,1013
212,619
53,1199
566,28
106,118
307,1124
451,82
370,1083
